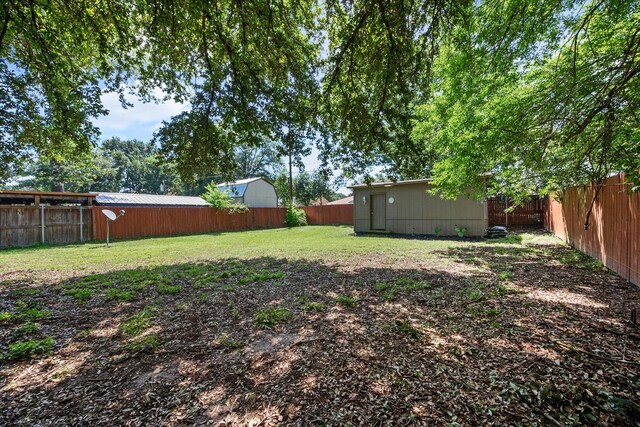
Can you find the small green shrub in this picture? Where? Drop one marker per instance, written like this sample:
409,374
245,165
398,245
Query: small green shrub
460,231
295,217
29,349
168,289
346,300
144,344
81,295
222,200
271,316
314,306
437,230
5,316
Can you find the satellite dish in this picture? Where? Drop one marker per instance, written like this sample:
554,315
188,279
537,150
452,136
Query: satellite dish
109,214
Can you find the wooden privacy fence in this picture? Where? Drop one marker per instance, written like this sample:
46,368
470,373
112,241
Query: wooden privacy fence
23,225
142,221
529,213
613,235
329,214
28,225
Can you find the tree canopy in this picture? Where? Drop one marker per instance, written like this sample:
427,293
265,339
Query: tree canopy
542,93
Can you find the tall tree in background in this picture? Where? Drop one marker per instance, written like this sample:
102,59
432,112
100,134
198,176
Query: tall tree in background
263,161
307,187
84,174
138,168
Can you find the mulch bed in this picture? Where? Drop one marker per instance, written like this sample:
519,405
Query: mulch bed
498,336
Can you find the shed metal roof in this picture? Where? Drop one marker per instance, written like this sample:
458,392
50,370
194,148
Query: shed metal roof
148,199
237,188
391,183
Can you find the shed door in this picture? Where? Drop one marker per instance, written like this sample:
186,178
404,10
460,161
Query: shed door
378,211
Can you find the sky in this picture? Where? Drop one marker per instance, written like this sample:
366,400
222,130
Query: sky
142,119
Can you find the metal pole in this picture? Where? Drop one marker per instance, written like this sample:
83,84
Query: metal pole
81,225
506,214
42,222
108,232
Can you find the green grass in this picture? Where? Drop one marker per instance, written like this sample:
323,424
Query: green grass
168,289
505,275
261,276
29,349
81,295
29,311
144,344
120,295
502,290
408,329
229,343
345,300
137,323
391,290
313,242
271,316
314,306
26,328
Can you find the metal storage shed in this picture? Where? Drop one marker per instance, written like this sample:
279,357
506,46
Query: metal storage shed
406,207
253,192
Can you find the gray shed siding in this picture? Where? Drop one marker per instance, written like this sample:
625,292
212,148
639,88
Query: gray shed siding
414,211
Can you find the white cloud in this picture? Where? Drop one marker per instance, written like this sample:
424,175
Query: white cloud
138,121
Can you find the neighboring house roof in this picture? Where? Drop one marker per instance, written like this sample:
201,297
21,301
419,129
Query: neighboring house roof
237,188
391,183
148,199
319,202
344,201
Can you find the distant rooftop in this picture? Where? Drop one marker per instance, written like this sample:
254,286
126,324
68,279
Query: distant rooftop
344,201
106,199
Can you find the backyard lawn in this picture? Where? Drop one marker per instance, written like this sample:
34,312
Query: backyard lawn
315,326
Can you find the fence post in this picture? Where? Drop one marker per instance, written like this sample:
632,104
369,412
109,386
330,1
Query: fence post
81,225
42,222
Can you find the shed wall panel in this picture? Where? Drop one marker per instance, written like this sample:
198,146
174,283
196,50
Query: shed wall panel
260,194
415,211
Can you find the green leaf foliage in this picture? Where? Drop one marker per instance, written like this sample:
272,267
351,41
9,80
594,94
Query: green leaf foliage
221,200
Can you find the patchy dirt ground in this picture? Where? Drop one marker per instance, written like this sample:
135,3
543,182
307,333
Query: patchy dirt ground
499,334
